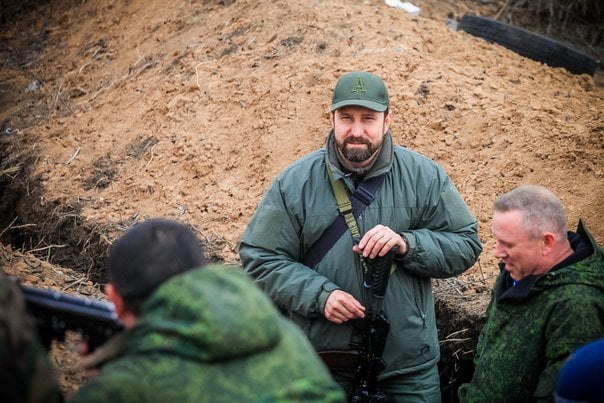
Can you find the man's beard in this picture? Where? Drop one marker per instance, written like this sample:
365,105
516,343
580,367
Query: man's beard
356,154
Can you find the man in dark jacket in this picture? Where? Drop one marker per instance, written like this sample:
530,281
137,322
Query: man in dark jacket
547,301
196,334
414,208
26,373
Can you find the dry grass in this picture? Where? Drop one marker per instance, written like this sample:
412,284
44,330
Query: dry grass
578,22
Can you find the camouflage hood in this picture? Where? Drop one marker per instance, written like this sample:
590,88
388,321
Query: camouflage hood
210,314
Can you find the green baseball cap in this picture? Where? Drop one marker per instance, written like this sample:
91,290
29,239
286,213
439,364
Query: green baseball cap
360,89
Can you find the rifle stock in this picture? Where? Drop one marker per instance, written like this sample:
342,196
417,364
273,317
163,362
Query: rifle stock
55,313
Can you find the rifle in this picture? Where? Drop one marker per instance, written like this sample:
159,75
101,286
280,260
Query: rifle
55,313
371,332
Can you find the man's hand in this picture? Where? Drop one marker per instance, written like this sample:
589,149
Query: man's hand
378,241
85,358
341,307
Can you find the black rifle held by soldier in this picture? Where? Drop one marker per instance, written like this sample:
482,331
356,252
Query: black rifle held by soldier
371,332
55,313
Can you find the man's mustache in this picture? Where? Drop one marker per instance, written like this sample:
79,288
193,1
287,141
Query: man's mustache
357,140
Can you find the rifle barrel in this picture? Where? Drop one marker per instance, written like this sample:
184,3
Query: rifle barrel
55,313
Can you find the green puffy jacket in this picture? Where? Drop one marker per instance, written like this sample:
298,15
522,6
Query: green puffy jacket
416,198
533,326
210,335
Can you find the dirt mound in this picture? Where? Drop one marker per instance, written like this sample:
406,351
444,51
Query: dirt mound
117,111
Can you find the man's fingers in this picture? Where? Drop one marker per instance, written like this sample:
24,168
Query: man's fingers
377,241
341,307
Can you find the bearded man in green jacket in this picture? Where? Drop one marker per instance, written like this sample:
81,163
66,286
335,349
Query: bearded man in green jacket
196,334
415,209
547,302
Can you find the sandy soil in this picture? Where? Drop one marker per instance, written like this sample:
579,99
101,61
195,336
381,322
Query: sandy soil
117,111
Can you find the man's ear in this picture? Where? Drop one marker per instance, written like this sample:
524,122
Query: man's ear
549,242
387,120
116,298
331,118
127,318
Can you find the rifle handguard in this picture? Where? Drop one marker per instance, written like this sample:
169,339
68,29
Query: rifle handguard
379,270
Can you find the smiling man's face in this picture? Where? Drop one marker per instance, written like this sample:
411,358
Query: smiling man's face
359,133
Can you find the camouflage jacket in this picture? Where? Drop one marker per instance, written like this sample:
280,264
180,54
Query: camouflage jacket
533,326
26,374
210,335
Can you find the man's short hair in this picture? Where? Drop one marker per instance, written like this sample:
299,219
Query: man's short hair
541,209
147,255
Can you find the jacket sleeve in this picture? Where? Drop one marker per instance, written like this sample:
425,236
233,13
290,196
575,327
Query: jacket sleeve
270,253
569,326
443,239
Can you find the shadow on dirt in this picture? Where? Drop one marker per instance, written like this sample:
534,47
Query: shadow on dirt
51,231
459,319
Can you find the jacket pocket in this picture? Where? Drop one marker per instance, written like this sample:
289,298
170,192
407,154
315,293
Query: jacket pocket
411,290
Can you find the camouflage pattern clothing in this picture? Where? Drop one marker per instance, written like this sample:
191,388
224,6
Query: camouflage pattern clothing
534,325
26,374
210,335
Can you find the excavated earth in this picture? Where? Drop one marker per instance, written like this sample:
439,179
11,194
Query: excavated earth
112,112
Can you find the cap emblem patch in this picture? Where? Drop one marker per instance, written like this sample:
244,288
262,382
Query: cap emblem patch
360,86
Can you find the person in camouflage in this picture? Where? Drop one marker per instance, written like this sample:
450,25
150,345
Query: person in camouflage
547,301
26,373
194,333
